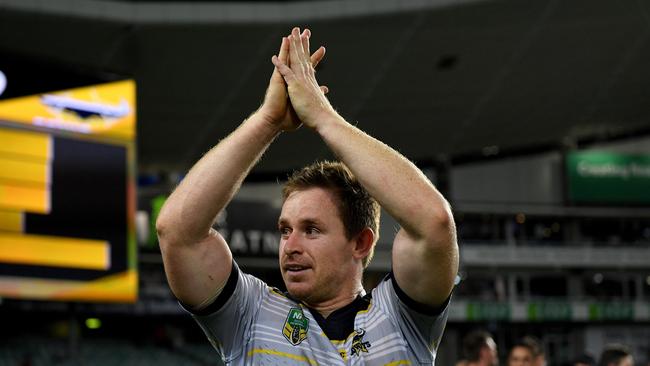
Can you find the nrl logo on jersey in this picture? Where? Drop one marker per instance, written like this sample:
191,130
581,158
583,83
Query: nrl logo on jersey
296,326
358,344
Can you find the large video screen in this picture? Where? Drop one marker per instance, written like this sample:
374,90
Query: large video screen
67,195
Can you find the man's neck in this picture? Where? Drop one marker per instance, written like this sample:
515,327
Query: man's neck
327,307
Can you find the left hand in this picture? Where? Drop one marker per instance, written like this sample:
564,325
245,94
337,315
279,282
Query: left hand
276,108
307,98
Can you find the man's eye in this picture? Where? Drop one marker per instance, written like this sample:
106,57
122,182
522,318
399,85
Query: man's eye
284,231
312,230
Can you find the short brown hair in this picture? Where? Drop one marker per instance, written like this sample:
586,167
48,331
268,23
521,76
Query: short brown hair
473,343
358,209
613,354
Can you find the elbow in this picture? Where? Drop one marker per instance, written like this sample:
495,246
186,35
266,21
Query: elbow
174,232
161,226
443,216
441,240
166,230
441,228
162,230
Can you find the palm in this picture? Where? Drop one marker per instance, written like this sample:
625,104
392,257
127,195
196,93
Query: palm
280,107
277,104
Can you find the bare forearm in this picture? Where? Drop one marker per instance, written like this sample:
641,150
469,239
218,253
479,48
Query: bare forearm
425,253
212,182
401,188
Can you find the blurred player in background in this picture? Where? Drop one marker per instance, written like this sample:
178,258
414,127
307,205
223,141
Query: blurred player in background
479,349
521,354
584,360
616,355
539,356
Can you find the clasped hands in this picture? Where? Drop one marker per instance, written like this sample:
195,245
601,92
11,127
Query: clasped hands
294,96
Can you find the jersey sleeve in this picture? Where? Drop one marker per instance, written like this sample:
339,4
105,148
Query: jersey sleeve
228,320
422,326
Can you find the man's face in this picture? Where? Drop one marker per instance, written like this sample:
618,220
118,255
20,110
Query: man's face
520,356
491,352
315,255
626,361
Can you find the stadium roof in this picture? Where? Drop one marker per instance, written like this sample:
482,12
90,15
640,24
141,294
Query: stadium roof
435,79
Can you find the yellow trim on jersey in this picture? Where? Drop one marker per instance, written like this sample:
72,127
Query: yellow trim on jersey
275,291
367,309
400,362
281,354
344,354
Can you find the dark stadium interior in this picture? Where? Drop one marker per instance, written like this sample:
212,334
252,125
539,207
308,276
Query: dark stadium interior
488,97
532,75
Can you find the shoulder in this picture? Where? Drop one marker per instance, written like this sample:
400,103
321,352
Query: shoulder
388,291
242,289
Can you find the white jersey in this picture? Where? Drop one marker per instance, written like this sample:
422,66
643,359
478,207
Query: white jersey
251,323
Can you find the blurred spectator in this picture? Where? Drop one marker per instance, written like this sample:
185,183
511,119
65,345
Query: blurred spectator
584,360
479,349
521,354
616,355
539,356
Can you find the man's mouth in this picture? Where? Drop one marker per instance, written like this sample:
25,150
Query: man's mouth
296,268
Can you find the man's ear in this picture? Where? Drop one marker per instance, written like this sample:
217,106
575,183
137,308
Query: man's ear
363,243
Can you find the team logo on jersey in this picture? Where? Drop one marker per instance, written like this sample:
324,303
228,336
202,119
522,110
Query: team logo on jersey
358,344
296,326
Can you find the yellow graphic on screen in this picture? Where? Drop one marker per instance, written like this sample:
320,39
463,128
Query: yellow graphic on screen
29,127
11,222
54,251
25,164
24,171
103,110
118,287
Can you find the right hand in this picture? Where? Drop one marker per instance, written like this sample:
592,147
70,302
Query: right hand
277,108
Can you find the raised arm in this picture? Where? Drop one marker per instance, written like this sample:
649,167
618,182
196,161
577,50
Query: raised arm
425,252
196,257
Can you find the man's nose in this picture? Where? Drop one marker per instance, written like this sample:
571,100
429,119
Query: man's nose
292,244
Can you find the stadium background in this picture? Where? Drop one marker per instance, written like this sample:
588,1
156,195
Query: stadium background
515,110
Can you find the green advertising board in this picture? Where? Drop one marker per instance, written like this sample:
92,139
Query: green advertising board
488,311
611,311
547,311
609,178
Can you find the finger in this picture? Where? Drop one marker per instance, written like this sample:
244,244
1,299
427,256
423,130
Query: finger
282,55
304,37
324,89
295,33
294,55
283,69
295,48
284,50
278,63
317,56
